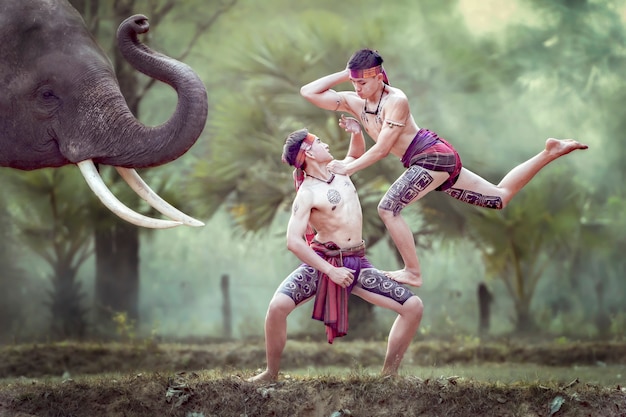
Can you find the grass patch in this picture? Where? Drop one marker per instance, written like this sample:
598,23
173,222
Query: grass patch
82,379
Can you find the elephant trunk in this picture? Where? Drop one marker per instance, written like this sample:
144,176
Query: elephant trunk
121,140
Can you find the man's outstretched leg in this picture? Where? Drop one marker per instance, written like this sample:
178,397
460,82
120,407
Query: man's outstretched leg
519,176
275,336
473,189
469,187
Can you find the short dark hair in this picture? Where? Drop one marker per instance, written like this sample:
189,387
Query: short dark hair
292,146
364,59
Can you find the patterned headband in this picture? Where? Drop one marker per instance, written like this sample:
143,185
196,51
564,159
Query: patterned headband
369,72
298,176
305,146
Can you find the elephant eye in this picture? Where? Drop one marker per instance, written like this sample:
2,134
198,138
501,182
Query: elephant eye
47,94
44,91
46,102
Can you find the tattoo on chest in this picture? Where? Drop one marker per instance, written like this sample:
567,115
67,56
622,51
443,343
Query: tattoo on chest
333,196
366,121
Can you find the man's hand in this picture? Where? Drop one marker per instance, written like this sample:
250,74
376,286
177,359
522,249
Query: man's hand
338,167
341,276
350,124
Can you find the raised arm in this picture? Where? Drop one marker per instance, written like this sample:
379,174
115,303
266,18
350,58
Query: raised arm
357,140
397,109
321,94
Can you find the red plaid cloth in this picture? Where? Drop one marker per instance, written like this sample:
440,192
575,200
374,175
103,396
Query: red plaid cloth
331,300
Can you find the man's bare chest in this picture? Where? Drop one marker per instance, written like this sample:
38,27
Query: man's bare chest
371,126
335,197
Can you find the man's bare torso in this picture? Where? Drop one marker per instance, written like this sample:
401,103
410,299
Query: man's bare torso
336,213
373,124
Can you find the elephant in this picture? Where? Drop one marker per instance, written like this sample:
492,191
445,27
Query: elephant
61,103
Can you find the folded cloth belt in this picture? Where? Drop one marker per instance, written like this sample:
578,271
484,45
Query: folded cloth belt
331,300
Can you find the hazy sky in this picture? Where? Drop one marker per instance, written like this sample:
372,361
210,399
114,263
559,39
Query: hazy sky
487,16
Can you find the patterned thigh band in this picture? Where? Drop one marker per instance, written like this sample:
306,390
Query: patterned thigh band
301,284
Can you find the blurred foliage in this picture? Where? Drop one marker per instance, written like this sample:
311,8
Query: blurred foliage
485,92
54,222
243,169
14,282
495,87
518,243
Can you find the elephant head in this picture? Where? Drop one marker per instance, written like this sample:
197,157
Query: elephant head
61,103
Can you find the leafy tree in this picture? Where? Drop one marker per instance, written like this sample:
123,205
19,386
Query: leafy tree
472,88
53,220
562,74
584,43
117,242
243,170
13,280
63,228
518,244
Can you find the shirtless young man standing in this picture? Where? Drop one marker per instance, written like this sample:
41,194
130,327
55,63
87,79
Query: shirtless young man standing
325,233
431,162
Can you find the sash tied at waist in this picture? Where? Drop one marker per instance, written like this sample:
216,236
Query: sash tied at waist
331,300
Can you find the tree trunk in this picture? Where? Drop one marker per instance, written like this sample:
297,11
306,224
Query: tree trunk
68,315
117,272
227,313
524,323
116,241
484,303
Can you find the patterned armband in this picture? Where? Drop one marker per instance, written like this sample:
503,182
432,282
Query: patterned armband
391,123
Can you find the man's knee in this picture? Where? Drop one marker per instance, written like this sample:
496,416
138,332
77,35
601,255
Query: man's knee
414,307
280,306
386,212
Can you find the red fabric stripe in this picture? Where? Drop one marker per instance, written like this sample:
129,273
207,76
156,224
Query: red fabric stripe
331,306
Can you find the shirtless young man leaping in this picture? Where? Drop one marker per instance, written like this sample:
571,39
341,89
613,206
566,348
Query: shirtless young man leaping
431,162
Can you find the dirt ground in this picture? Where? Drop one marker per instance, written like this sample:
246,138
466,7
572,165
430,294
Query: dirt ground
209,379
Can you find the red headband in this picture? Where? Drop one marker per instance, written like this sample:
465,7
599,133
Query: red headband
298,176
304,146
369,73
366,73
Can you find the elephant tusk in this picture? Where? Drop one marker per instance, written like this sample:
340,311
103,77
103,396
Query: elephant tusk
94,180
144,191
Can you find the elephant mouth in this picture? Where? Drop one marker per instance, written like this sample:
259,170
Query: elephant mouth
132,178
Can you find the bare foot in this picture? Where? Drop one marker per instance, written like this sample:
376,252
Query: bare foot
264,376
560,147
406,277
390,367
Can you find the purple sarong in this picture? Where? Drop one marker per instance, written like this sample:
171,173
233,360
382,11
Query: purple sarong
431,152
331,300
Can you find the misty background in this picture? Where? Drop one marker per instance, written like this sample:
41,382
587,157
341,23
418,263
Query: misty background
494,78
